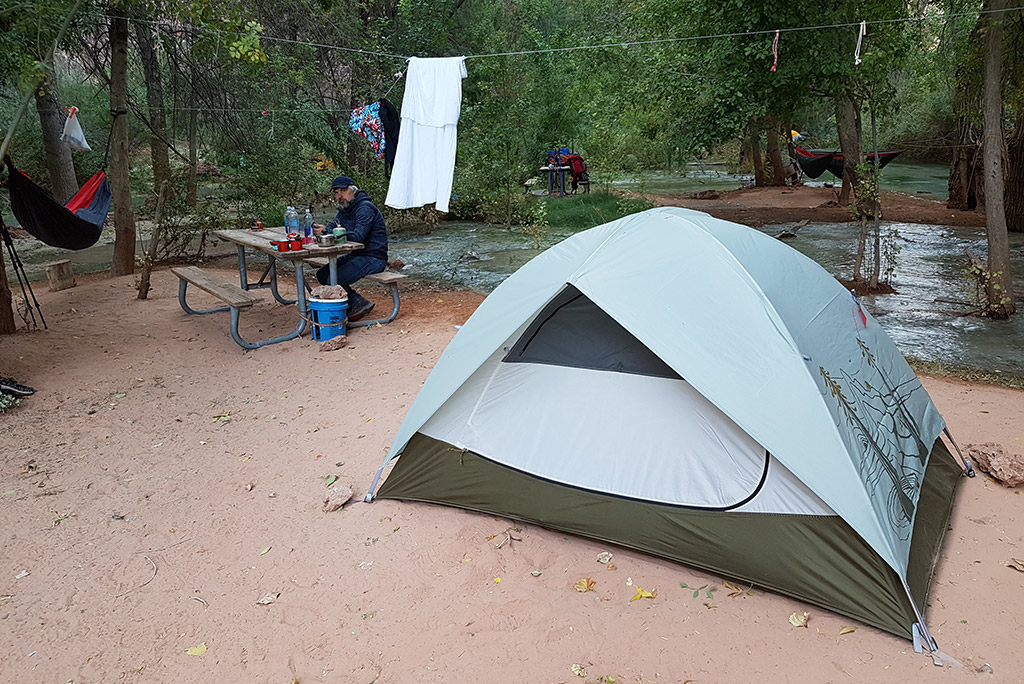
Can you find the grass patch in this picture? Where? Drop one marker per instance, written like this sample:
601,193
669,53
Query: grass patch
946,370
580,212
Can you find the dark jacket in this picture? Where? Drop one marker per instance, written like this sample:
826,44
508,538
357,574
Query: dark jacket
364,223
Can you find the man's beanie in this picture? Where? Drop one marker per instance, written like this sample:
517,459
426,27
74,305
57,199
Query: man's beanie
341,182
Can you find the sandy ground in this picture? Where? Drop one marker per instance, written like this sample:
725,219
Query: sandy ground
764,206
161,481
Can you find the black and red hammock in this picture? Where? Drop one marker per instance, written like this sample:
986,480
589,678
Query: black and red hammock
74,225
816,162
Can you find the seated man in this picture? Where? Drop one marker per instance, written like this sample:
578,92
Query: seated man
363,223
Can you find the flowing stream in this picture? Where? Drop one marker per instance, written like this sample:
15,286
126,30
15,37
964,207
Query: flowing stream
928,316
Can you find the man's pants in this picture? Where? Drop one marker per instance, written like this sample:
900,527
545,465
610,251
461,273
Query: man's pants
351,268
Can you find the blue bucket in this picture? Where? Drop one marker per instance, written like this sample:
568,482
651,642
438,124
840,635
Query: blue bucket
328,316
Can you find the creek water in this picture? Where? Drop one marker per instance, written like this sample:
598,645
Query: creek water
928,316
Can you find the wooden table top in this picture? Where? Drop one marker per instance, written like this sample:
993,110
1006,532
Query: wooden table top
260,241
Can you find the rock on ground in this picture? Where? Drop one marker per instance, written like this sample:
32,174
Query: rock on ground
994,460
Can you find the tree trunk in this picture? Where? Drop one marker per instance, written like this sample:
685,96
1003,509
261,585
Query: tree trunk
966,189
999,288
1015,177
124,219
155,100
61,168
848,126
191,187
774,153
7,324
754,145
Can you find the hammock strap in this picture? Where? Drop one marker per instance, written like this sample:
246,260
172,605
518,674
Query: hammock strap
114,113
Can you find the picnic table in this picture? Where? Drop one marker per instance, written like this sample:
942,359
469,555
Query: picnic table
237,298
551,172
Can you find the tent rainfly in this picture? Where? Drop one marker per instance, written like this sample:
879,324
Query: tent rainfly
697,390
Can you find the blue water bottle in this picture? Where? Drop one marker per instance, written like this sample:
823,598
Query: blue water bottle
307,223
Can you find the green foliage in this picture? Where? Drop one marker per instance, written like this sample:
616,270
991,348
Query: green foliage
583,211
247,46
8,402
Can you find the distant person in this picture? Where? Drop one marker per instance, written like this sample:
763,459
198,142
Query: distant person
363,223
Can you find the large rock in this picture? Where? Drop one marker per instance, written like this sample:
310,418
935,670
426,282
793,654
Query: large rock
993,459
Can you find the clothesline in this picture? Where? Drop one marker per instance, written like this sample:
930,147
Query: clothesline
625,43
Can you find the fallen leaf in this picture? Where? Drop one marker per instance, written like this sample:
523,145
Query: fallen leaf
1016,564
584,585
643,593
265,551
847,630
736,591
710,604
368,419
120,395
397,528
579,670
269,598
197,650
331,479
799,619
604,557
611,566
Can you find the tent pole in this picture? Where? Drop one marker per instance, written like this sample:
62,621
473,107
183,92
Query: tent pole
967,464
921,627
23,281
373,486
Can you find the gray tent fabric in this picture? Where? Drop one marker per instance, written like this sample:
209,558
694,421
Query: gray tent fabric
745,392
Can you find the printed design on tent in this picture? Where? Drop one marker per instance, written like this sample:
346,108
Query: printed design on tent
893,459
365,121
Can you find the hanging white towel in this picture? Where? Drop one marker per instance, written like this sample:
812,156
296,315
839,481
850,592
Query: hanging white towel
425,157
73,134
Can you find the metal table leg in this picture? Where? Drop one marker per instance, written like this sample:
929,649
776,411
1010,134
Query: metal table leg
243,275
273,281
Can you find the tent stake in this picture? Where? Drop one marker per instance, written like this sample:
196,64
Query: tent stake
920,629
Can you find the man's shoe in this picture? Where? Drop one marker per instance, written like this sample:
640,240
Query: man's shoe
360,309
9,386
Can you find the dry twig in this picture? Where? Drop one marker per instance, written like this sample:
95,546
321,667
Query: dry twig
169,547
508,537
141,585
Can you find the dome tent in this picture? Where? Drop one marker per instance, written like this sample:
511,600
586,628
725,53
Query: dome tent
692,388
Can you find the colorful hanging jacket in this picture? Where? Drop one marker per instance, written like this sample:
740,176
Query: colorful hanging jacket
365,121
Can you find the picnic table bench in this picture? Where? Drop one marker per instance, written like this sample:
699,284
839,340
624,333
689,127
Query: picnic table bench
388,279
235,297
